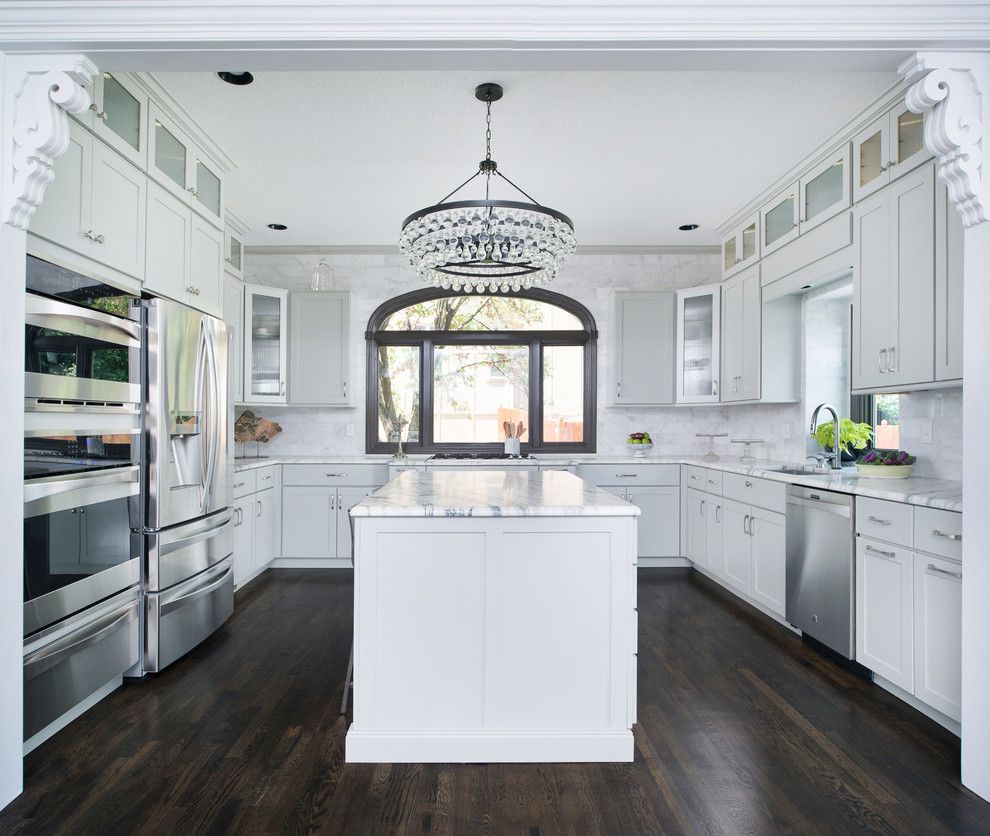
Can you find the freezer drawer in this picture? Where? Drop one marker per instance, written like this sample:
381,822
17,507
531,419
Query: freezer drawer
75,658
179,553
181,617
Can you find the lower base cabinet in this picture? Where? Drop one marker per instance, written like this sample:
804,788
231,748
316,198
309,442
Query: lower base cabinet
659,531
316,521
737,548
938,634
254,534
754,551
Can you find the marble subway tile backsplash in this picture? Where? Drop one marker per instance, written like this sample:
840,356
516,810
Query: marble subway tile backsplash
591,279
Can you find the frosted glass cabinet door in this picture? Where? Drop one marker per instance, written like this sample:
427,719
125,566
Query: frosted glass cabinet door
169,153
780,219
698,330
120,116
206,190
825,189
870,156
265,347
741,246
907,146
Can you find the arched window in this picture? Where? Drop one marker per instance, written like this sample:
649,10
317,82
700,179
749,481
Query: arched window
451,370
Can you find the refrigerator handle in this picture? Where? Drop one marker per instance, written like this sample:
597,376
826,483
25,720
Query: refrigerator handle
215,418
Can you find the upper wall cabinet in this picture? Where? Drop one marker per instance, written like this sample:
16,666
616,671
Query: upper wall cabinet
119,116
889,147
233,241
643,350
95,207
948,288
319,348
741,337
894,285
265,344
741,247
180,166
779,219
824,190
233,315
698,333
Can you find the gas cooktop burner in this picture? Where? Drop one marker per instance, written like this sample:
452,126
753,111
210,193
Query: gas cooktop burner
477,456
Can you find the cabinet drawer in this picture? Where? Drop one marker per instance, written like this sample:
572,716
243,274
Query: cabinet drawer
938,532
245,482
267,477
631,474
890,521
334,474
760,492
713,481
695,477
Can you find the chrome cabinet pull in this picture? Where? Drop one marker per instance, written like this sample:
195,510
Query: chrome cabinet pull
618,389
345,388
268,478
281,389
626,475
258,504
694,477
238,484
752,526
746,520
891,365
337,475
881,360
718,513
933,568
712,482
193,191
714,388
879,521
701,508
881,552
946,535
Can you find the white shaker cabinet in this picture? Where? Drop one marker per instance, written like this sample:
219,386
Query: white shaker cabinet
206,266
713,536
737,547
266,512
120,116
948,288
233,315
696,527
887,148
309,521
243,540
659,530
767,532
894,284
643,349
938,634
265,344
319,348
697,351
741,337
347,498
885,610
741,247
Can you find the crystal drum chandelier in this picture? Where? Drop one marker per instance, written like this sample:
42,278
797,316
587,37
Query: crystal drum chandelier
494,245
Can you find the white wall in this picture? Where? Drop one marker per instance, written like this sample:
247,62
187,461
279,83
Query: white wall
592,279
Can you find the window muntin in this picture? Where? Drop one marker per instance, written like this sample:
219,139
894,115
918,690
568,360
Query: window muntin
457,366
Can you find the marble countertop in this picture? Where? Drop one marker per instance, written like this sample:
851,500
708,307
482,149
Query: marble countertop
916,490
491,493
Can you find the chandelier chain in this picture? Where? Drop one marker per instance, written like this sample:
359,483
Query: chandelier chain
488,132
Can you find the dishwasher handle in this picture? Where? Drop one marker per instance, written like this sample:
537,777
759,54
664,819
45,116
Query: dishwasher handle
817,505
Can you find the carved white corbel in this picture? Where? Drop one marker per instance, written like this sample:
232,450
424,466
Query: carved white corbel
42,99
947,92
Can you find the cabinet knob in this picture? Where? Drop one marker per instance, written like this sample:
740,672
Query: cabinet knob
100,114
193,191
738,261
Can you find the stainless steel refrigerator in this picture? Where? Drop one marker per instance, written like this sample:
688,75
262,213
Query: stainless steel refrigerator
188,531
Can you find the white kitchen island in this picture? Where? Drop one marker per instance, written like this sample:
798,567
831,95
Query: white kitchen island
494,620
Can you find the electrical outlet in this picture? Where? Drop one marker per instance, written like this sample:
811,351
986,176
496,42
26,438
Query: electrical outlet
926,431
349,430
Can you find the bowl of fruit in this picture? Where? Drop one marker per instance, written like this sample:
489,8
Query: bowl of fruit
639,444
886,464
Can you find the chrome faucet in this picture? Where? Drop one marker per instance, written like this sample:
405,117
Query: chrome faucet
835,457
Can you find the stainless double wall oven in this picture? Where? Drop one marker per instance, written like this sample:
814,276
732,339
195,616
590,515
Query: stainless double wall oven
82,486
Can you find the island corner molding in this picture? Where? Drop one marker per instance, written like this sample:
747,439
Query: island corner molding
946,89
42,94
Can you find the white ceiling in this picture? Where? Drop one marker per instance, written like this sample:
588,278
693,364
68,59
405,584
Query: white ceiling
343,157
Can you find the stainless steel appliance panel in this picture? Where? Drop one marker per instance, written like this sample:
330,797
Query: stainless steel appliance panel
820,571
74,659
181,617
187,420
181,552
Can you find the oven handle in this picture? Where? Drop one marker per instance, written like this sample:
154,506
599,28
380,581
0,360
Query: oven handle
45,496
175,603
47,657
82,322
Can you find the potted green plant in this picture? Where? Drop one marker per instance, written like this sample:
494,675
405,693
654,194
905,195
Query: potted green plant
852,436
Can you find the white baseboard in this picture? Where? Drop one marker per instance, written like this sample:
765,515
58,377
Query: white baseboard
662,562
932,713
56,726
311,563
488,747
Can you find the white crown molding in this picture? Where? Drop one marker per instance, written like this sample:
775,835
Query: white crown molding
784,23
946,88
41,91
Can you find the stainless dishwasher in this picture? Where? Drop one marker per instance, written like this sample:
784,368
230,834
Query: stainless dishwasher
821,572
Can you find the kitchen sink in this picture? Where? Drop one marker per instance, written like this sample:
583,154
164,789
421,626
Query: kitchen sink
805,471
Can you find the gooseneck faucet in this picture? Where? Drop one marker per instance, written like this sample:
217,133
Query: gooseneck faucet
836,455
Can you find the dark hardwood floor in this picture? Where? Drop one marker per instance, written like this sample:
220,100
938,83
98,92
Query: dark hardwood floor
742,729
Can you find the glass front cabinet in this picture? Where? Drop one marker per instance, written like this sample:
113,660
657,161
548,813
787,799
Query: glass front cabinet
779,219
890,146
824,190
698,328
119,116
741,247
265,344
182,168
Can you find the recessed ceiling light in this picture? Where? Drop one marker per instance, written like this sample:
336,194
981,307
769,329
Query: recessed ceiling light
239,79
807,286
687,227
278,227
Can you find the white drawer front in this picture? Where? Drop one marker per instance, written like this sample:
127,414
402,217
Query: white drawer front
631,474
890,521
938,532
335,474
760,492
267,477
245,482
713,481
695,477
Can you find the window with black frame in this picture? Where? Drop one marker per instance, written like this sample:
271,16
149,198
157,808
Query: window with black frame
460,371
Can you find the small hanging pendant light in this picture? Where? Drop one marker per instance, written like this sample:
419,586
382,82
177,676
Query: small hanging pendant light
322,278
